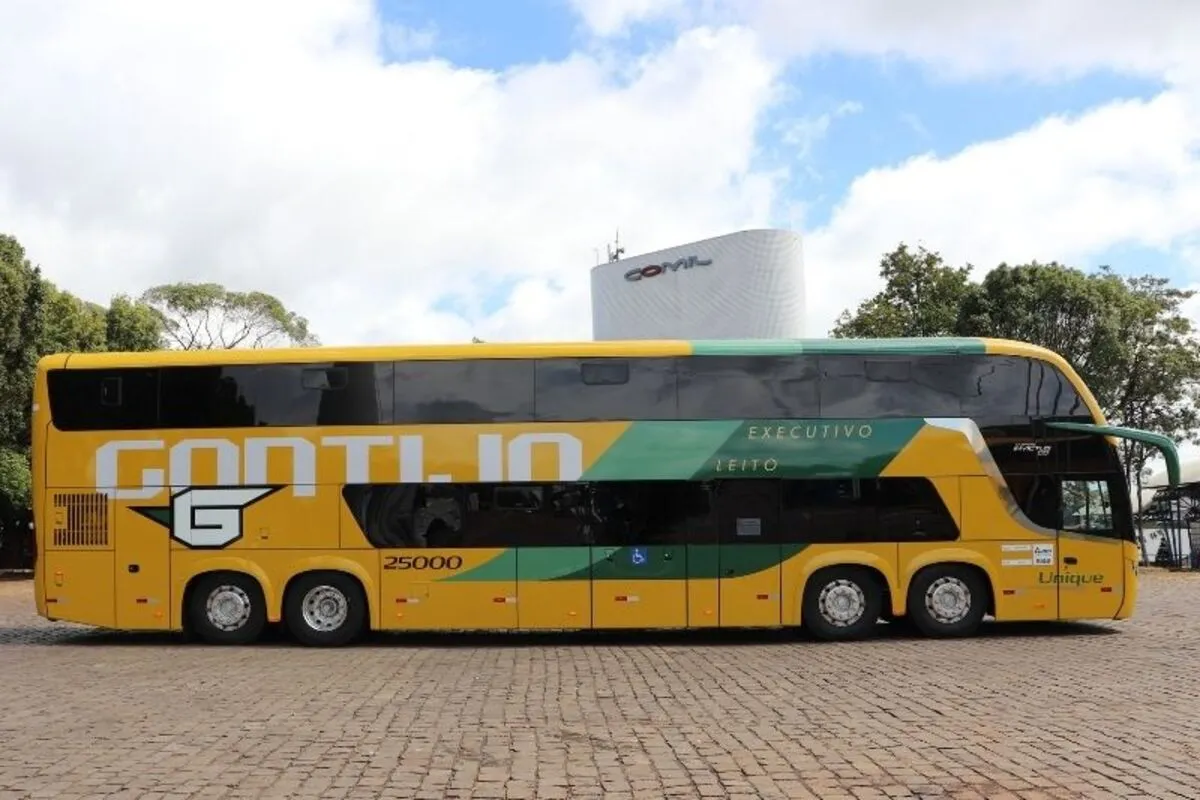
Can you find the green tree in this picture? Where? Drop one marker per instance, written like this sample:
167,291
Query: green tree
16,480
132,326
22,318
1126,337
205,316
921,297
71,325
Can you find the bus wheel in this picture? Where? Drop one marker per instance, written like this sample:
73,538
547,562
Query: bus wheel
947,600
325,609
841,603
227,608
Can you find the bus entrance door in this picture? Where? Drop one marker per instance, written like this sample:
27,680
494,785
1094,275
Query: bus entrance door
143,568
748,532
1091,557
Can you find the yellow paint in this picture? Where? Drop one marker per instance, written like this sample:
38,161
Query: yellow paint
554,604
703,599
430,605
657,604
740,602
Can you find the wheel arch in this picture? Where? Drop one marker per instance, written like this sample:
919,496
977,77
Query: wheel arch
878,567
351,569
221,566
963,559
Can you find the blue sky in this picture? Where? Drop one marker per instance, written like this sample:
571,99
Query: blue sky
454,177
879,112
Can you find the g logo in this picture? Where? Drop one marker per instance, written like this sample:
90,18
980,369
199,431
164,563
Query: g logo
207,518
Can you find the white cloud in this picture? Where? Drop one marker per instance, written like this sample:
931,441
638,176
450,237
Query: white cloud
268,146
609,17
1063,39
1128,172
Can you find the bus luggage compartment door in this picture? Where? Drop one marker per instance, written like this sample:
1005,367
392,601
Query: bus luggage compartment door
437,588
639,586
749,554
143,568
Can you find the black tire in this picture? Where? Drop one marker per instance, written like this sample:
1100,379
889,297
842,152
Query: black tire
227,608
964,601
820,615
325,609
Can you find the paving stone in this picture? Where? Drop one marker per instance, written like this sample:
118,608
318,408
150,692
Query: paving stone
1022,711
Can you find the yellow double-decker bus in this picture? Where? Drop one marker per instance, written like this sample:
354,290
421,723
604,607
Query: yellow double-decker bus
827,484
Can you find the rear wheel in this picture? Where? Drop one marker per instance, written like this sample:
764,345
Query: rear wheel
227,608
842,603
947,600
325,609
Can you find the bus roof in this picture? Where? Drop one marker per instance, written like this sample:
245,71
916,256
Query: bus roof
933,345
631,348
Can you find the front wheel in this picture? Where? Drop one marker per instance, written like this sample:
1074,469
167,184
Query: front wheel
842,603
947,601
325,609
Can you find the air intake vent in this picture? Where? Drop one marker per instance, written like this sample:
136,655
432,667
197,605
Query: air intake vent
80,519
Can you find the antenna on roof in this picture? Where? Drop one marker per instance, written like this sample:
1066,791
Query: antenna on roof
615,250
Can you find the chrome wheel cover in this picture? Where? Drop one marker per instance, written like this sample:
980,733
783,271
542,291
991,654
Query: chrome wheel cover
948,600
228,608
324,608
842,603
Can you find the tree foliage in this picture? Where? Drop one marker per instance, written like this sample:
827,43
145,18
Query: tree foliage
37,318
205,316
921,297
1125,336
131,326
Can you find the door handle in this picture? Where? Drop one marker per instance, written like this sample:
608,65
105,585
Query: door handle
667,555
1072,560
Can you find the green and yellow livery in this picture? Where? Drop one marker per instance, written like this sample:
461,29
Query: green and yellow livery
817,483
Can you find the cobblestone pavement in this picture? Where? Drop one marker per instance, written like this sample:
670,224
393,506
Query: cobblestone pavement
1088,711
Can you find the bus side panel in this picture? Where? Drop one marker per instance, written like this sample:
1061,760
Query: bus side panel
143,571
797,569
79,586
433,588
640,586
77,545
703,585
554,587
1015,556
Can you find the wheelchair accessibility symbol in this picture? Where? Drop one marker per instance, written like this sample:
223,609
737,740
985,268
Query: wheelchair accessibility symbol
638,557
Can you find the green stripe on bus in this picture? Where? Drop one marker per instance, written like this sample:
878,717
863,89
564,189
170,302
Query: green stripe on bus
782,448
947,345
769,448
661,450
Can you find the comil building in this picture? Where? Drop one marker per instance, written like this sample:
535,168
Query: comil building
744,285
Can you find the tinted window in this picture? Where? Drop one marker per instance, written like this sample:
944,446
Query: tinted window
529,514
652,512
890,386
724,387
864,510
1005,389
497,390
605,389
748,511
103,399
1086,507
1016,451
207,397
276,395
